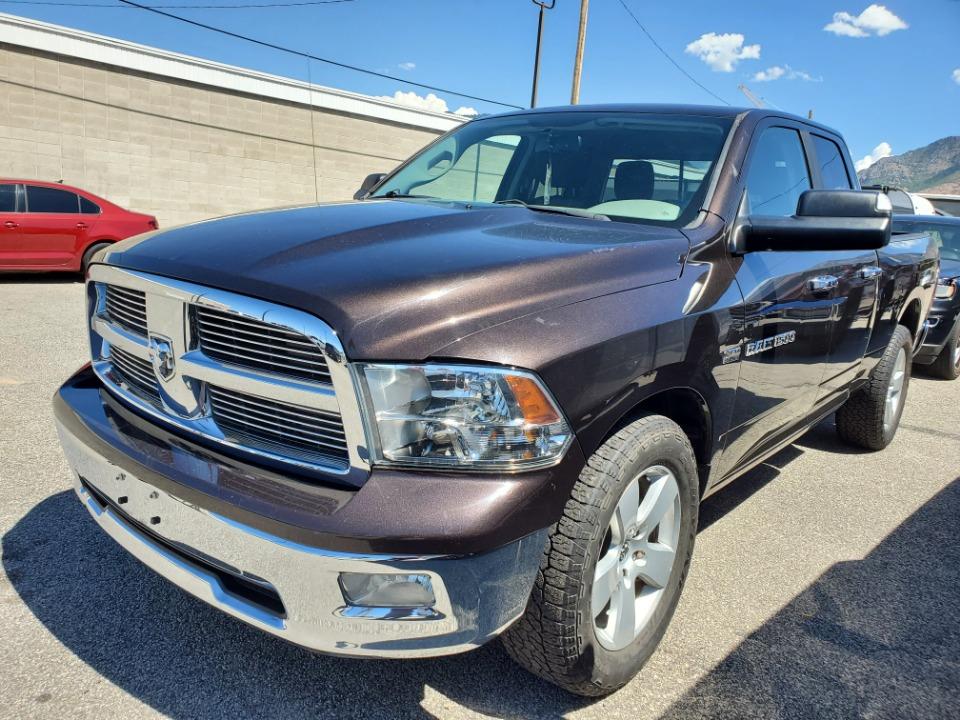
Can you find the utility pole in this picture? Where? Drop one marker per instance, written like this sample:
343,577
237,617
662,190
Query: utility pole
544,5
578,61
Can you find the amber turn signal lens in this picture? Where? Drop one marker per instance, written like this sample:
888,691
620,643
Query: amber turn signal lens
537,409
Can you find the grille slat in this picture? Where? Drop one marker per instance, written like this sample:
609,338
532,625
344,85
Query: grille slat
228,404
127,308
137,373
322,440
255,337
257,345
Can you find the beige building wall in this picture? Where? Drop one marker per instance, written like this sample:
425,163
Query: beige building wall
179,150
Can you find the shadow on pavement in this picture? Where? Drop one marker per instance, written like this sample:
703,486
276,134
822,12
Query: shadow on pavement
873,637
877,637
57,278
187,660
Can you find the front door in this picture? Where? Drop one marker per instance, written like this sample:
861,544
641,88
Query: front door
9,226
789,303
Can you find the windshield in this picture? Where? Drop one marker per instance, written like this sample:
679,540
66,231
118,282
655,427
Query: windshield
634,167
945,235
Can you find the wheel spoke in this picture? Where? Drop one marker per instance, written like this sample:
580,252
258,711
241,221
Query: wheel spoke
627,510
625,622
655,565
658,501
605,580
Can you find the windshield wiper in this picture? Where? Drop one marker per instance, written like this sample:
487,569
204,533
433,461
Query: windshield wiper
394,195
575,212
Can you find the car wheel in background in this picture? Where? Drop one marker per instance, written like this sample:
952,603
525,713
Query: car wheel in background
871,416
88,255
615,564
947,364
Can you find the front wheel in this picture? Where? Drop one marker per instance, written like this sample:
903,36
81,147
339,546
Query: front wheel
615,564
871,416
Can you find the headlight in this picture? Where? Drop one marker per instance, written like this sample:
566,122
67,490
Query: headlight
463,417
946,289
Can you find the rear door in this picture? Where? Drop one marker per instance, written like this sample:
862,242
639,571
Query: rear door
9,225
52,231
857,274
787,310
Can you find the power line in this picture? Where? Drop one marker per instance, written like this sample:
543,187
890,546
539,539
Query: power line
300,53
665,54
234,6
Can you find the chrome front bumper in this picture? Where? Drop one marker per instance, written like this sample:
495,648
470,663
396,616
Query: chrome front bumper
210,556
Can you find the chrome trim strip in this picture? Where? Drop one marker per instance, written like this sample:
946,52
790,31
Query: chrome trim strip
184,405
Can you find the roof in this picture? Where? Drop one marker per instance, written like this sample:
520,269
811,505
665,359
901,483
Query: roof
724,111
90,47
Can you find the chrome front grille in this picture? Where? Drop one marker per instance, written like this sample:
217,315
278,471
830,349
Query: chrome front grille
263,379
136,373
260,421
251,343
127,308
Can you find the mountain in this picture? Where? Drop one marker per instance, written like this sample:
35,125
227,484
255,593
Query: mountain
933,168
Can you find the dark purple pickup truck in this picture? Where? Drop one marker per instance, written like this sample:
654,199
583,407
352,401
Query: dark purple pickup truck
488,396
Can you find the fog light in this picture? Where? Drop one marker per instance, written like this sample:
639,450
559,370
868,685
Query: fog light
390,591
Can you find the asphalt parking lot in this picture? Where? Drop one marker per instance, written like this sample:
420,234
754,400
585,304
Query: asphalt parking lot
824,584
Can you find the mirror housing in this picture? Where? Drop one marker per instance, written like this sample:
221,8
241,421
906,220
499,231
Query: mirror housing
368,184
825,220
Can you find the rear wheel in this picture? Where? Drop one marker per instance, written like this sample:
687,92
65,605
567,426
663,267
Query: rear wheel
88,255
947,364
871,416
616,562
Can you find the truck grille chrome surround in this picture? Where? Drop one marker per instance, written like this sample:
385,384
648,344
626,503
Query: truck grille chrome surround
256,377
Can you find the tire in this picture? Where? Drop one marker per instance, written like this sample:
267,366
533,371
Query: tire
88,255
867,420
559,637
947,364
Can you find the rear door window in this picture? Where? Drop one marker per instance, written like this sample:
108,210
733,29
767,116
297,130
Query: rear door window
51,200
833,171
88,207
778,173
8,198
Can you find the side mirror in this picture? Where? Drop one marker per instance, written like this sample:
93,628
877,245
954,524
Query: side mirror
369,183
825,220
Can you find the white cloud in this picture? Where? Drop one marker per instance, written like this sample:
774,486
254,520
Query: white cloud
723,52
875,20
880,151
407,66
429,102
956,76
786,72
771,73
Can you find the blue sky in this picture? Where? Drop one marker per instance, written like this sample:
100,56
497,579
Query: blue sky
882,76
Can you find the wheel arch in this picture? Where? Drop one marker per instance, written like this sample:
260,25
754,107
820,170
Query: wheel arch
911,316
687,408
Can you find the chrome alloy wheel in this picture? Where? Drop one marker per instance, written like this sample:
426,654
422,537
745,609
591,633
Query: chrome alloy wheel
636,557
895,390
956,355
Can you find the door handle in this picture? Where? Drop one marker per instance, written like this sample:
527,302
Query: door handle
822,283
81,226
869,273
10,224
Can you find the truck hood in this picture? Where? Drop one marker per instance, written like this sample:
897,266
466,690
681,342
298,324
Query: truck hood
399,279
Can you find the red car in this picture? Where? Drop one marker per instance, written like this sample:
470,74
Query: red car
50,226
